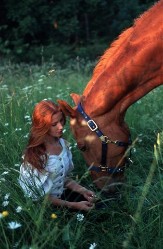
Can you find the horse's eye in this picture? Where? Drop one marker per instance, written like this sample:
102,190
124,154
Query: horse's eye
81,147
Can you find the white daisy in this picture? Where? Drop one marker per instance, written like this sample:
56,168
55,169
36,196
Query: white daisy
14,225
18,209
92,246
6,196
80,217
5,203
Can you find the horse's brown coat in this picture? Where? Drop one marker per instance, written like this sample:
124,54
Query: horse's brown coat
128,70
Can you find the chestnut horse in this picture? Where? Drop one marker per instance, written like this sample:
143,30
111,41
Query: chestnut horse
128,70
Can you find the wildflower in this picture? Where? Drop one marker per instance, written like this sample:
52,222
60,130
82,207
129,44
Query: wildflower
80,217
18,129
27,117
5,213
6,196
140,140
13,225
5,203
53,216
134,150
6,124
51,72
92,246
48,87
17,165
5,173
18,209
25,136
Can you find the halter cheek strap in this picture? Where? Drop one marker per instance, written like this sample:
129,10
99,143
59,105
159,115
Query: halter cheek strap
105,140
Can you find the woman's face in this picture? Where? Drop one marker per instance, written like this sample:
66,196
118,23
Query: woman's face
57,125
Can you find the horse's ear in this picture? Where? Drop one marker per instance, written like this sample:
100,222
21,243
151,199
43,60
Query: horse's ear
76,98
66,108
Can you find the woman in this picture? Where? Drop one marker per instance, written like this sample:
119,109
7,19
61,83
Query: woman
47,161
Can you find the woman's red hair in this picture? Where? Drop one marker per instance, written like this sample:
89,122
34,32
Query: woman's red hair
35,153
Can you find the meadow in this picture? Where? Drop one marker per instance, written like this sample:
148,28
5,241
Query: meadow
133,221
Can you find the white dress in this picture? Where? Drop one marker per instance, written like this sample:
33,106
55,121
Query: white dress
35,183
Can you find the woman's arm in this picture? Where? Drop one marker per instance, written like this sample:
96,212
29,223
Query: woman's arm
82,205
74,186
60,202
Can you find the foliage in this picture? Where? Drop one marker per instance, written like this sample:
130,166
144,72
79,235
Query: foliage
131,222
28,26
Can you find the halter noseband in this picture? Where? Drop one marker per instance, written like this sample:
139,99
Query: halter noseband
105,140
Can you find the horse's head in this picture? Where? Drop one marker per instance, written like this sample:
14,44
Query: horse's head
103,146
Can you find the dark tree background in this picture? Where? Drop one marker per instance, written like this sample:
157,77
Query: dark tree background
63,29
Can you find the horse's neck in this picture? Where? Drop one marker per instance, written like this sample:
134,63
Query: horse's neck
130,82
129,69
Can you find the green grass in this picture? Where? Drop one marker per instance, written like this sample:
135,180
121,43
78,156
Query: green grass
134,221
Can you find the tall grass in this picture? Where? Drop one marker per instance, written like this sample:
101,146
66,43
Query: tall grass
133,221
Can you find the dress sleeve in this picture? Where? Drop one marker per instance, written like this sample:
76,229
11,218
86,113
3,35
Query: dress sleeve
33,182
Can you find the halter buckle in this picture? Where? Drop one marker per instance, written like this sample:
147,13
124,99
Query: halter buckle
103,168
92,125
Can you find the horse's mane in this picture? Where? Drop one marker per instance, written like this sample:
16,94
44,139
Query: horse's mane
114,50
104,61
117,48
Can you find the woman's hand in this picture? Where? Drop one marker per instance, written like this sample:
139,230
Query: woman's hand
88,195
74,186
82,205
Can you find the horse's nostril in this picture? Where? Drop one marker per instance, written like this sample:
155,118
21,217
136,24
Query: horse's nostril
83,148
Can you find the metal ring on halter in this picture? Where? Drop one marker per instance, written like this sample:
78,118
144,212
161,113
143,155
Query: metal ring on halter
105,139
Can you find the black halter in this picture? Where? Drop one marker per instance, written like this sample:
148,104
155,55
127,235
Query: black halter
105,140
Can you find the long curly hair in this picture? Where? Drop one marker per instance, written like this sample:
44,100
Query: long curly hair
35,153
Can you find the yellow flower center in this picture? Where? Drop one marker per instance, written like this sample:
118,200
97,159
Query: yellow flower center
5,213
53,216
